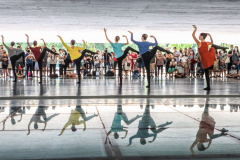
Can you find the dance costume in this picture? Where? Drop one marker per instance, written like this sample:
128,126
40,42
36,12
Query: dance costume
76,56
39,56
14,55
207,57
146,54
120,55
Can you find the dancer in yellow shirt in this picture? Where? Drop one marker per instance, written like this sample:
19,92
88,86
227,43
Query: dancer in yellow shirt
76,55
74,120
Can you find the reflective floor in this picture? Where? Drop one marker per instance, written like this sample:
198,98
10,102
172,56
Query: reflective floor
116,127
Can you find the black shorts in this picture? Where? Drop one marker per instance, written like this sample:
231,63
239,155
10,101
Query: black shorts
4,66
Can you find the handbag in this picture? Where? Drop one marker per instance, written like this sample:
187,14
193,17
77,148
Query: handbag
227,60
63,62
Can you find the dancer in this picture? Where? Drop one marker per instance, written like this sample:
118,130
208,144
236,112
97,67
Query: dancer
147,54
206,127
207,55
36,118
14,55
143,129
116,124
75,55
119,54
39,55
40,112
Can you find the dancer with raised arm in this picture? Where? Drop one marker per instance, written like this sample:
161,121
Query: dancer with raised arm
207,55
119,54
14,55
76,55
39,53
147,54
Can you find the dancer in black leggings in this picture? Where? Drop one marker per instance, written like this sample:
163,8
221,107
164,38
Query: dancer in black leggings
147,54
76,55
39,53
14,55
119,55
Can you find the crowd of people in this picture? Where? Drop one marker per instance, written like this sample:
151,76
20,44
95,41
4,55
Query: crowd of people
150,59
182,63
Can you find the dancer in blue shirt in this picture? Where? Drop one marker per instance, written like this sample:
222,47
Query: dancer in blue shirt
147,54
119,54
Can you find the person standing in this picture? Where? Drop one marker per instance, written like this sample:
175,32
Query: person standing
119,54
145,53
14,55
4,60
39,53
53,62
29,62
61,62
75,55
207,55
230,54
107,59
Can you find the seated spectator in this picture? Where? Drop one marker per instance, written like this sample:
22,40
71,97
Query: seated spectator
179,72
233,72
20,72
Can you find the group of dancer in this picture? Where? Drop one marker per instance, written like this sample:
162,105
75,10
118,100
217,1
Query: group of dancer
77,53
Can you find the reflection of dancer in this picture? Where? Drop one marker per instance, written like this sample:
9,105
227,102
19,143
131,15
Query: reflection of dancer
14,111
207,55
119,54
39,53
14,55
147,54
74,120
36,118
206,127
143,128
116,124
75,54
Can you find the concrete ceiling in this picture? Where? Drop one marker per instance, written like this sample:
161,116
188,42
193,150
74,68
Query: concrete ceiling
169,20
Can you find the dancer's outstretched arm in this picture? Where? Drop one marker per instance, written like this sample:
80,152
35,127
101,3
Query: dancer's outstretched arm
64,44
29,127
127,40
28,41
193,145
105,30
84,46
194,35
43,42
4,43
210,43
132,38
156,43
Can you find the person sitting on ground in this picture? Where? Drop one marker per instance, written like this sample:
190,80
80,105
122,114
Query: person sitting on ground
179,72
233,72
20,72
